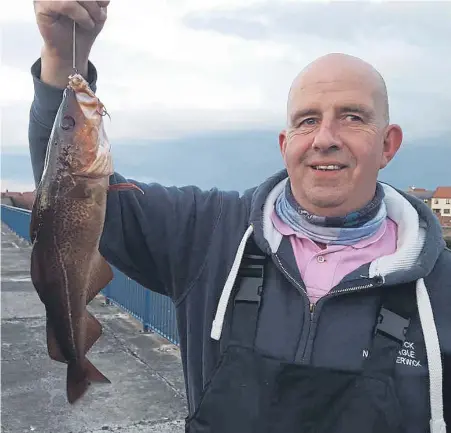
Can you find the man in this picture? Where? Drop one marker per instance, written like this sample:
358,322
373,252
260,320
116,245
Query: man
317,302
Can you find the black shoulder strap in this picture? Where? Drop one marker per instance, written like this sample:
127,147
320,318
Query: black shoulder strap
248,289
397,308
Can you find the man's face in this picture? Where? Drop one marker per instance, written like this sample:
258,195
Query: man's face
337,140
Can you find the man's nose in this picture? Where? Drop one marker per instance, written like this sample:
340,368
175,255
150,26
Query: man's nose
326,138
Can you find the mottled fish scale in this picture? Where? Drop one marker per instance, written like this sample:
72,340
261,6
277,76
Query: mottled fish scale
67,222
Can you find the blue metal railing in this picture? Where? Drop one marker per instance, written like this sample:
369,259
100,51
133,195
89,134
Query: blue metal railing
156,312
18,220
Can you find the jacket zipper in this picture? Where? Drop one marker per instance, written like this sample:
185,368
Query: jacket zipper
312,310
331,295
348,289
312,307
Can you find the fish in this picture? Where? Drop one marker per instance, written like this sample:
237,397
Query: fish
67,220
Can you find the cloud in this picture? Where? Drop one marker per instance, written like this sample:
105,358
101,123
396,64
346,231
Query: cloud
171,124
21,44
342,21
395,37
167,69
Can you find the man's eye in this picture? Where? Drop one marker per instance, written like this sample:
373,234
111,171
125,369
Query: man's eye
353,118
308,122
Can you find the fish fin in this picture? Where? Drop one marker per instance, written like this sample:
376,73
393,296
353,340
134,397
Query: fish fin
124,187
35,273
93,331
93,374
52,345
101,275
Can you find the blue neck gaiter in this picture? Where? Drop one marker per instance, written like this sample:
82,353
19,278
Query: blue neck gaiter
346,230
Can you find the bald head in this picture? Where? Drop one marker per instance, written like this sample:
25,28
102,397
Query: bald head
337,116
342,68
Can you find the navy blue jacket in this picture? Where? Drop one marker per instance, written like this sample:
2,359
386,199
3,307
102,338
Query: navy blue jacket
182,242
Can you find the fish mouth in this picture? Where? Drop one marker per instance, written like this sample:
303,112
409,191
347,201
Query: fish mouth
79,85
93,156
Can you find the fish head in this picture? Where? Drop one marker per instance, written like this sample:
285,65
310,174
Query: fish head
84,145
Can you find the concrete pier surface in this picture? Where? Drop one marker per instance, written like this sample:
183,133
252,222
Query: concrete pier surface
147,392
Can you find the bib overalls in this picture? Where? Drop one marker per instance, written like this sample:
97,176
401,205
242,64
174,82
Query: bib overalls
251,392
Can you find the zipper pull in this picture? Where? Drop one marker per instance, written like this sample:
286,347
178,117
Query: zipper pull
312,309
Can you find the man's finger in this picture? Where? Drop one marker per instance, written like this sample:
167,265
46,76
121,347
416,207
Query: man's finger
97,12
76,12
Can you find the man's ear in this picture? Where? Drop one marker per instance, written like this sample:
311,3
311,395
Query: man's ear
283,142
392,143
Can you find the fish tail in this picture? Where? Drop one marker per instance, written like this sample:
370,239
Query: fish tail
77,382
93,374
79,377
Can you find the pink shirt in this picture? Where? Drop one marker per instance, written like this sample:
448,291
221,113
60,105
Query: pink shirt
322,269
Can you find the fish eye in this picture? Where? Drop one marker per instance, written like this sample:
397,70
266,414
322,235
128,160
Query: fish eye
67,123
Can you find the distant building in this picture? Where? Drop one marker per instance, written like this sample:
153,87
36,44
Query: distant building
7,200
422,194
23,200
441,204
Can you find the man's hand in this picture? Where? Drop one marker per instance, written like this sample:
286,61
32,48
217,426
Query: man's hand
55,21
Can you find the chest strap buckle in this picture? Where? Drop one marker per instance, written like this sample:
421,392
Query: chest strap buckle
250,280
392,325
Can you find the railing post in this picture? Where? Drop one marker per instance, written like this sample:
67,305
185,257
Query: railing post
106,293
146,318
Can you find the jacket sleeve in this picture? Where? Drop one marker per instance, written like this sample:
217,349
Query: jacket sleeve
160,238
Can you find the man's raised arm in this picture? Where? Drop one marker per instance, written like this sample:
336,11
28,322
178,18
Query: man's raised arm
160,238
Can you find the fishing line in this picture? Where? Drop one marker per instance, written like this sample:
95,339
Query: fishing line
73,50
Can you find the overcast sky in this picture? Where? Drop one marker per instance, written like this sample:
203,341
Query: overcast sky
167,68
